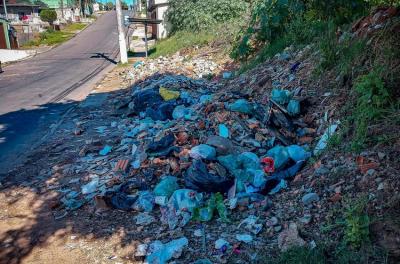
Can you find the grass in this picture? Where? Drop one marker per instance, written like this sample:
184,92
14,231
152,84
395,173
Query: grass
179,41
52,37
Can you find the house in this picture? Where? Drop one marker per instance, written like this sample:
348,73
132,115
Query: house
8,39
96,7
157,9
66,9
19,11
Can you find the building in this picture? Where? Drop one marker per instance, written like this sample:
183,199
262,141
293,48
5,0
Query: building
157,9
19,11
96,7
8,38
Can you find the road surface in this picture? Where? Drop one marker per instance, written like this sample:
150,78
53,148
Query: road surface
34,93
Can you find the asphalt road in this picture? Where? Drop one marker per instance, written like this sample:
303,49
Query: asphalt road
34,93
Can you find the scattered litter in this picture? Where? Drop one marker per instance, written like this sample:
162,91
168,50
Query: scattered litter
161,253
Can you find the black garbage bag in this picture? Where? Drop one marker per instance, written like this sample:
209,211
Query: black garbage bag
120,200
163,143
198,178
275,178
144,99
161,112
163,147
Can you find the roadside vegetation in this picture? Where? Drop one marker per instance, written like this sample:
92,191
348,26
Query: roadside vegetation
52,37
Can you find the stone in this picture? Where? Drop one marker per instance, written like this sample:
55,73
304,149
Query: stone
289,238
309,198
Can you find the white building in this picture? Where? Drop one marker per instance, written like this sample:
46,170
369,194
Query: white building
96,7
157,9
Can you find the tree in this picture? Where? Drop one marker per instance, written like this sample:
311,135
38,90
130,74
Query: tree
48,15
109,6
124,5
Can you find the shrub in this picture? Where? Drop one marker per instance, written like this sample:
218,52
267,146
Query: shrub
195,15
48,15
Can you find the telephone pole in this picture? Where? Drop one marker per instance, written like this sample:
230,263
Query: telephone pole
121,35
5,8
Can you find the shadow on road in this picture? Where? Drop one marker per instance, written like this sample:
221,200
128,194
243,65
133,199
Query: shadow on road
104,56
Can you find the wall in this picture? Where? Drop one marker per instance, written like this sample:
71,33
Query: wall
162,28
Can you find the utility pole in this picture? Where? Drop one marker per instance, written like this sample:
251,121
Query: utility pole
121,35
5,8
62,8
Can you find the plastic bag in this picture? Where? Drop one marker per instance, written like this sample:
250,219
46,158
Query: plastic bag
293,107
145,201
215,202
166,187
162,253
203,151
280,156
223,131
297,153
168,95
280,96
198,178
241,106
161,112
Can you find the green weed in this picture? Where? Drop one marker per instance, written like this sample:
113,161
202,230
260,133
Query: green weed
299,255
373,99
179,41
356,232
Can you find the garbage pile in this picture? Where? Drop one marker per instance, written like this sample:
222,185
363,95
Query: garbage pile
189,150
198,67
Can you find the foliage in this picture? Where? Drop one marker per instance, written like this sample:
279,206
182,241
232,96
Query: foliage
180,40
48,15
109,6
373,99
52,37
271,20
299,255
356,223
195,15
124,5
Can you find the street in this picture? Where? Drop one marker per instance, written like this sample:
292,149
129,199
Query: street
34,93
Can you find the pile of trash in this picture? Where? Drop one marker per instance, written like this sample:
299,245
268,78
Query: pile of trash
190,150
197,67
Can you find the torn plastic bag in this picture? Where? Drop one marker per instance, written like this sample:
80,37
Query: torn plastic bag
275,179
162,253
181,111
145,201
180,207
198,178
161,112
143,99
